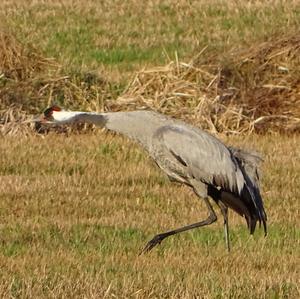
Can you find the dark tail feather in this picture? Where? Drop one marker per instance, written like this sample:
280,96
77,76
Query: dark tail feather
240,206
252,199
248,204
250,195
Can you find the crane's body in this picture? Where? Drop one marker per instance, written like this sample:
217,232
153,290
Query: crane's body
187,155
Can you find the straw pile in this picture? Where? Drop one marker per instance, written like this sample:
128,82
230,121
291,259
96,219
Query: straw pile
257,89
252,90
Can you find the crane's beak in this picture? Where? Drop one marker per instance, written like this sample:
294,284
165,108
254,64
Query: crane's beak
34,120
40,119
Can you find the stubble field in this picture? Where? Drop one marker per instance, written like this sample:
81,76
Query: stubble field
76,208
76,211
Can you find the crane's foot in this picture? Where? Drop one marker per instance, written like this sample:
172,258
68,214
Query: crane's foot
152,243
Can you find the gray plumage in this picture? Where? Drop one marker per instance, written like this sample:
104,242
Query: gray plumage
190,156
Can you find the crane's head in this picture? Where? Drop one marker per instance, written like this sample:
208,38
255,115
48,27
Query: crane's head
48,115
56,115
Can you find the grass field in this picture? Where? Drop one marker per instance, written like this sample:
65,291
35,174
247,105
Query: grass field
117,37
75,212
76,209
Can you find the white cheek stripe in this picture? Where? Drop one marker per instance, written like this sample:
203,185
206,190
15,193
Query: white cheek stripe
63,116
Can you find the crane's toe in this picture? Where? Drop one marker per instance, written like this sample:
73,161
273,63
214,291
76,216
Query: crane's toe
152,243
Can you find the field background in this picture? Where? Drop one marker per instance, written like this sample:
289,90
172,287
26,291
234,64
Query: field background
76,208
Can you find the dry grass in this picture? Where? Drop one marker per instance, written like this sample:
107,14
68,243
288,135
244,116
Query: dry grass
230,86
76,210
252,90
29,83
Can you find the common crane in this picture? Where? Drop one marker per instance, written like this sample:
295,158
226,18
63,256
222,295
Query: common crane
189,156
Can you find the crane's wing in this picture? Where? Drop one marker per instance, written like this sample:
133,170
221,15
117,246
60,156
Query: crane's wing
206,158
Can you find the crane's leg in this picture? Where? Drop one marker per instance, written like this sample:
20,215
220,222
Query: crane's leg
158,238
224,211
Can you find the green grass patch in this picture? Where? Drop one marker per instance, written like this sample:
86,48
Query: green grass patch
80,239
126,37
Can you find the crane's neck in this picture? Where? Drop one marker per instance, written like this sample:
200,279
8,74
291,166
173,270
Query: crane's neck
138,125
